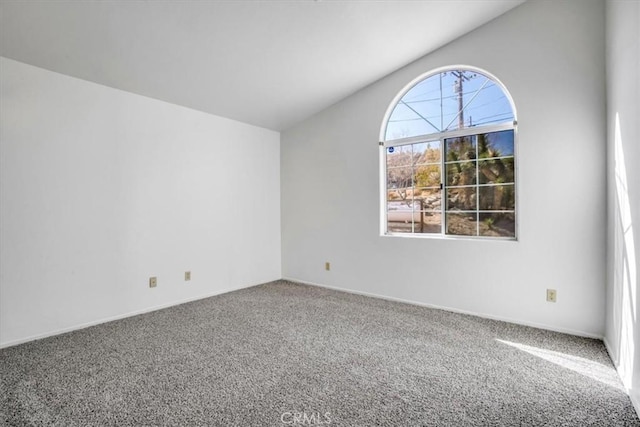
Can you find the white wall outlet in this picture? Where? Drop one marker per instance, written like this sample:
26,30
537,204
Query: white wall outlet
551,295
153,282
187,276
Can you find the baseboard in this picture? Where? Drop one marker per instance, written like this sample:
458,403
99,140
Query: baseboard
119,316
451,309
633,395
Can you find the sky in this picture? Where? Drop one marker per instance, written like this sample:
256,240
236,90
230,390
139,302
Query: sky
431,106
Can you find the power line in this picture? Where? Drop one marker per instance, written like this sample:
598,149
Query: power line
488,86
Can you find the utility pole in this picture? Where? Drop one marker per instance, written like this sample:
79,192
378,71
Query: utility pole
461,77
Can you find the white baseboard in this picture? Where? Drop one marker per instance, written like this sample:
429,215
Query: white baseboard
634,395
454,310
118,317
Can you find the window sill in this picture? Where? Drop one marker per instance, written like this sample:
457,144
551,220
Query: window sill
448,237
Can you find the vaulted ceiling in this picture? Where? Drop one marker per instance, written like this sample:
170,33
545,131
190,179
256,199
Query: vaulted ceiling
266,63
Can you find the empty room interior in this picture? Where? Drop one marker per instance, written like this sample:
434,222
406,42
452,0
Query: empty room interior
315,212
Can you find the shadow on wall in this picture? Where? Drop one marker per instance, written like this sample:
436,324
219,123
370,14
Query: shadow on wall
625,316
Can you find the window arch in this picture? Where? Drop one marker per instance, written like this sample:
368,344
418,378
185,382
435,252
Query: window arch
448,157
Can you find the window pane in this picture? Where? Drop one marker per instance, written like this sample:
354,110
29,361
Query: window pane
402,209
418,112
430,222
463,199
497,198
495,144
404,195
489,106
428,176
496,171
428,198
474,100
462,148
396,195
399,227
461,173
399,156
427,152
498,224
462,224
401,215
399,179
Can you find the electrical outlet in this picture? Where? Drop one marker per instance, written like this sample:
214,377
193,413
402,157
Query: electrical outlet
327,266
551,295
187,276
153,282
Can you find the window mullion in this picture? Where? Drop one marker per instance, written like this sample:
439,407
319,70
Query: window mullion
477,187
443,193
413,192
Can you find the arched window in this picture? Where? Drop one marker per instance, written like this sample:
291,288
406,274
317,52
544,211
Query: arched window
448,157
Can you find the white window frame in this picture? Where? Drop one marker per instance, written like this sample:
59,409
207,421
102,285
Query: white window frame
440,137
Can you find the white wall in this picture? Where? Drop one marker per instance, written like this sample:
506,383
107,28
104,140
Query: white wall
550,55
623,141
101,189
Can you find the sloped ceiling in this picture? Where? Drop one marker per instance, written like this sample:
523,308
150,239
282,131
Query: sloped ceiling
266,63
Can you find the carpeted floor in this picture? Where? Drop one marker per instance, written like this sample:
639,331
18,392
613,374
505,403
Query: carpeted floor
287,354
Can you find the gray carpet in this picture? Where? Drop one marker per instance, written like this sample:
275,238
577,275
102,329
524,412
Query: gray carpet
287,354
